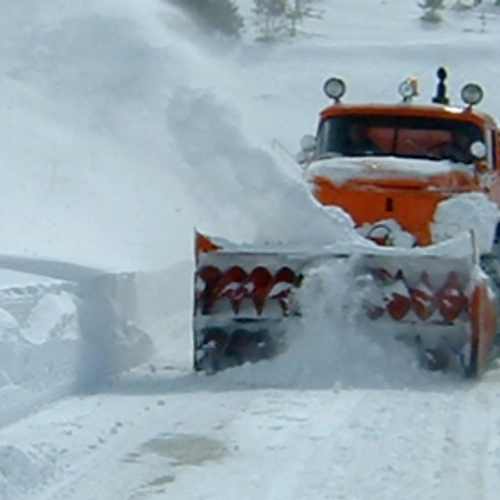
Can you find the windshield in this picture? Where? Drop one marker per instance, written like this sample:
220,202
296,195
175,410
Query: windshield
411,137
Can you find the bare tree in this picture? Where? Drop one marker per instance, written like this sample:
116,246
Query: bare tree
271,18
300,10
280,18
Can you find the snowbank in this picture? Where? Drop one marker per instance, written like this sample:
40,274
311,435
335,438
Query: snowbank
22,471
465,213
40,346
60,336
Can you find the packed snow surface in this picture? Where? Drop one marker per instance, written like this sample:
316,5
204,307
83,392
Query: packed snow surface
124,128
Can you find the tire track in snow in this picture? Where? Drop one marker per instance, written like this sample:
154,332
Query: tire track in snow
277,440
98,469
465,450
120,467
447,476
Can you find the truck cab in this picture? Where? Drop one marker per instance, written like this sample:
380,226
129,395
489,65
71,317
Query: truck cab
398,162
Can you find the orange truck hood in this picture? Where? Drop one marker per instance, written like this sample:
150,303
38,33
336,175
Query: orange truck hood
373,189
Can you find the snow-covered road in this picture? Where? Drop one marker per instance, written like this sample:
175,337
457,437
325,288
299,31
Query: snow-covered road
176,435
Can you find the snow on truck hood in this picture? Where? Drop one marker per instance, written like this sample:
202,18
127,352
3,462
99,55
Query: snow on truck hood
339,170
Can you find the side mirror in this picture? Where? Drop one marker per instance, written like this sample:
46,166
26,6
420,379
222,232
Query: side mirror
308,143
478,150
307,148
302,158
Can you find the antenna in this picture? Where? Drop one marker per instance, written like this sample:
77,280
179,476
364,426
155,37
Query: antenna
440,97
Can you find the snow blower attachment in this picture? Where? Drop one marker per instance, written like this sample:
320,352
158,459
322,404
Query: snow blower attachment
240,308
421,185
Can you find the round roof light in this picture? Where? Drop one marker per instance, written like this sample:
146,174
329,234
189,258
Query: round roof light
334,88
408,89
472,94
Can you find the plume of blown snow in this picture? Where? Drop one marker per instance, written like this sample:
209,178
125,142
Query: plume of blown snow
242,182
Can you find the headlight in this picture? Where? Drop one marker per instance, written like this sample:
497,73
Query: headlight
334,88
472,94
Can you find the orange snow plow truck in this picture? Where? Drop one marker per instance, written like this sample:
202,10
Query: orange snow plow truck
421,184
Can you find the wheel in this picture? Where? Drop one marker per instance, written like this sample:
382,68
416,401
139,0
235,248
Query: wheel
209,355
